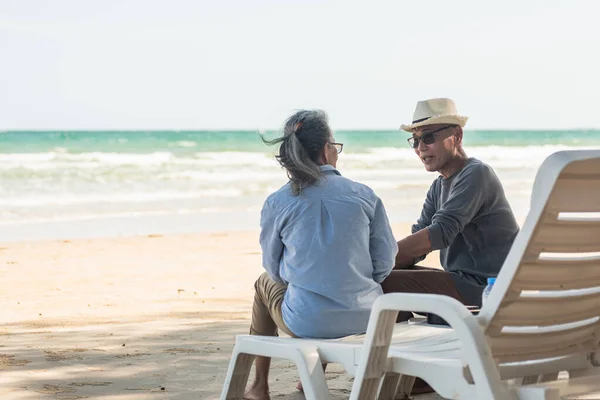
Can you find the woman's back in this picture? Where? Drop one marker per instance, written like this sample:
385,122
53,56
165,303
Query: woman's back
332,245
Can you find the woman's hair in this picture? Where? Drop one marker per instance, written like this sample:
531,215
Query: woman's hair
304,135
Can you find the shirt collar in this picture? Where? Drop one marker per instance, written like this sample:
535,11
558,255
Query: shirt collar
329,169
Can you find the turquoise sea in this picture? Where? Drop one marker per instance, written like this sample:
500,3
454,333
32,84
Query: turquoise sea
217,180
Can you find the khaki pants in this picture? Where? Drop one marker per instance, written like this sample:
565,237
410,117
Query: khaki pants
266,311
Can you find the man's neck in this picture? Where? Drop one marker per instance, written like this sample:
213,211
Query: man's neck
454,165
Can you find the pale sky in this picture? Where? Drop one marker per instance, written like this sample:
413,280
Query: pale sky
175,64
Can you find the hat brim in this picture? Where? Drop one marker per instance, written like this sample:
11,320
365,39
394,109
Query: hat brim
440,119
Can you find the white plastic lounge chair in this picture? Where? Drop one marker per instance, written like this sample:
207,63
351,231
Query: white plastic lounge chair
542,317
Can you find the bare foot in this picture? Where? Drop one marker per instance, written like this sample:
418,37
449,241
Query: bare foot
257,391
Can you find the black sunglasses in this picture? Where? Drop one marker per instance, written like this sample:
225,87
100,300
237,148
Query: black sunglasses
338,146
427,137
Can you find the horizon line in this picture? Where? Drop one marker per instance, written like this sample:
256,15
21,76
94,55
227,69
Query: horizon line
258,130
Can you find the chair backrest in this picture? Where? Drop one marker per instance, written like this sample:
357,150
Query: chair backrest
546,300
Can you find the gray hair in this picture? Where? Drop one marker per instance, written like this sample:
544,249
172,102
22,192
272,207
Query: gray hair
304,135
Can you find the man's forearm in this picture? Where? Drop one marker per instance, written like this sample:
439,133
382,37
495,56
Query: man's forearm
412,247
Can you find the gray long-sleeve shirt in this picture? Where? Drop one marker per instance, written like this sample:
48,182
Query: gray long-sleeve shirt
470,221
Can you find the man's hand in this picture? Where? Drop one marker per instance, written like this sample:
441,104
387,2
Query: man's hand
411,247
403,262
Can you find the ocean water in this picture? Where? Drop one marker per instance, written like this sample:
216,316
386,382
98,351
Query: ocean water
211,180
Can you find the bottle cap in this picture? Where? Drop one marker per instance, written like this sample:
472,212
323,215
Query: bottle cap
491,281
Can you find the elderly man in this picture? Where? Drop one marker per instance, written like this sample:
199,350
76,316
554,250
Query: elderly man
466,214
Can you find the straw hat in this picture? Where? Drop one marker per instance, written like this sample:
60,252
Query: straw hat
435,111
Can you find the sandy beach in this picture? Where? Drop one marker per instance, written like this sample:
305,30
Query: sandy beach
145,317
140,139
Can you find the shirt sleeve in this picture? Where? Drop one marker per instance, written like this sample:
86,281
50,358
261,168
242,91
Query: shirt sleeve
270,242
465,200
382,244
427,212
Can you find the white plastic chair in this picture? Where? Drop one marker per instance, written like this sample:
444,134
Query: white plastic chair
541,318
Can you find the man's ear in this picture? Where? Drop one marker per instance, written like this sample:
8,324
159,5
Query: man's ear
458,134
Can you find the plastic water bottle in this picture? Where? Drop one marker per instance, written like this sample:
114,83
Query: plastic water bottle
487,290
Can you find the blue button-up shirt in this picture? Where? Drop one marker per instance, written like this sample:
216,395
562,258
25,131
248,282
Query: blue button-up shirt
333,246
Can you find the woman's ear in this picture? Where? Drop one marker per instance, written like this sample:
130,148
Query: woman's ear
324,157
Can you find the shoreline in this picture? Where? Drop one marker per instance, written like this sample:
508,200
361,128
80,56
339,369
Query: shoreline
155,225
158,224
129,226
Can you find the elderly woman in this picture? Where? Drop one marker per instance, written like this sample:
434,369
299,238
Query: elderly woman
326,241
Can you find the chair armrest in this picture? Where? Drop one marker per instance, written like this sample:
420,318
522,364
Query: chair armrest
469,332
453,311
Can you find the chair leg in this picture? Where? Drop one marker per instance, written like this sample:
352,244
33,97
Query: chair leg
396,386
237,376
405,387
389,386
311,373
305,357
